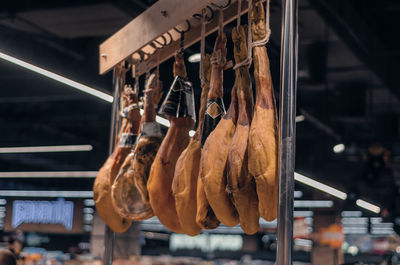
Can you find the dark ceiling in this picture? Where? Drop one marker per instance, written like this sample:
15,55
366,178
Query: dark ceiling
347,90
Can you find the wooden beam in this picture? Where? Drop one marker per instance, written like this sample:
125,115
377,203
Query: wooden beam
191,37
145,28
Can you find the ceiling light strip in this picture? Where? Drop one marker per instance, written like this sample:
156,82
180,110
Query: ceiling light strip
46,193
57,77
320,186
313,204
368,206
49,174
44,149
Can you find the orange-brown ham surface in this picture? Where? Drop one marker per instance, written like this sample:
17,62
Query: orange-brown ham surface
263,139
240,183
184,185
162,170
126,198
215,150
108,172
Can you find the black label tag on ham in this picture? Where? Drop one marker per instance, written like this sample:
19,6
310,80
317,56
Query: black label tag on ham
127,140
150,129
179,101
214,112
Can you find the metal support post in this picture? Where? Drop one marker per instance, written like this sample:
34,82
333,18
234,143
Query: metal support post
287,131
109,236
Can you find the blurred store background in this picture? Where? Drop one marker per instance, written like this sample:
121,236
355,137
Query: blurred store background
54,138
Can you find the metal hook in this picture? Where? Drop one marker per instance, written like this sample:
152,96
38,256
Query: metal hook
170,39
159,43
155,46
149,54
189,26
207,18
222,7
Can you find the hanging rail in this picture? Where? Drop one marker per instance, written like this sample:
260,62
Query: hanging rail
152,23
138,35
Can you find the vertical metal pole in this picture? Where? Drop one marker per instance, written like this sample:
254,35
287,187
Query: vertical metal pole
109,235
287,131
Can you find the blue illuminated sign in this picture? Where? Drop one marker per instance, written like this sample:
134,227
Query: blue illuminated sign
43,212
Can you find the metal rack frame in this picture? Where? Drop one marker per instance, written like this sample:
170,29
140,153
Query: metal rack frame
166,16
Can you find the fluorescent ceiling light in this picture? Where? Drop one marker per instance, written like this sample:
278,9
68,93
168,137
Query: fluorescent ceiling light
313,204
303,242
88,202
298,194
355,220
320,186
49,174
339,148
46,193
57,77
163,121
300,118
42,149
159,119
376,220
351,214
191,133
194,58
368,206
303,213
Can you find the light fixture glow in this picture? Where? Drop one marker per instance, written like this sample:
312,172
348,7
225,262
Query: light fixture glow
191,133
303,213
42,149
351,214
194,58
57,77
339,148
300,118
313,204
46,193
163,121
159,119
298,194
49,174
303,242
320,186
368,206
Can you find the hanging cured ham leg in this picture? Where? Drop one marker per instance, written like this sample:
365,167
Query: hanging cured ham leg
163,168
240,183
216,146
184,185
129,191
150,137
263,140
108,172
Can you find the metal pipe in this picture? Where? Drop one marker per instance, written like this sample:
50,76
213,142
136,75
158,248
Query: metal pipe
287,131
109,236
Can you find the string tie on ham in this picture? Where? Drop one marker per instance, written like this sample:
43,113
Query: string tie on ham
251,44
265,40
124,113
218,59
